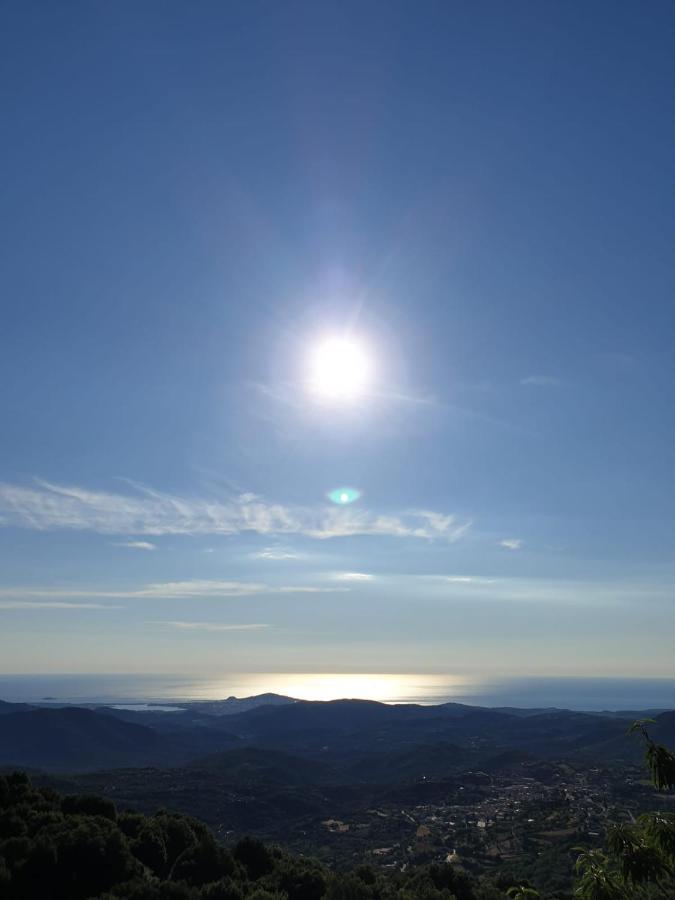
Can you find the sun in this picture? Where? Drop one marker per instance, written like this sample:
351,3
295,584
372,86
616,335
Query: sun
340,369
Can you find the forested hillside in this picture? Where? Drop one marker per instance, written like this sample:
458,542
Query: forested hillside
75,847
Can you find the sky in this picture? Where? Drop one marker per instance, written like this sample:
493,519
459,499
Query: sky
200,200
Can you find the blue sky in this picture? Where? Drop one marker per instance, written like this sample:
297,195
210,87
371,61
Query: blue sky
197,196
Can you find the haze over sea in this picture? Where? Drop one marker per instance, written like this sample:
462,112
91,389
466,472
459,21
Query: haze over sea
564,692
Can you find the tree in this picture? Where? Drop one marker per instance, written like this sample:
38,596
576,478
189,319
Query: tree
660,761
254,856
348,887
522,892
88,805
596,879
203,863
149,846
78,848
225,889
301,880
640,853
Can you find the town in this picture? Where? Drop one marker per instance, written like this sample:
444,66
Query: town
524,820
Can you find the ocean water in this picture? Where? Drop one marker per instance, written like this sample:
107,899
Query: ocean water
562,692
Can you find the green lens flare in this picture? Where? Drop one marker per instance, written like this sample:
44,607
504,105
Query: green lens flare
344,495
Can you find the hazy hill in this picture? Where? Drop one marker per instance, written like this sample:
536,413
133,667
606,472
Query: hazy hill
193,712
434,761
619,746
75,739
362,728
232,705
251,765
72,738
6,707
355,738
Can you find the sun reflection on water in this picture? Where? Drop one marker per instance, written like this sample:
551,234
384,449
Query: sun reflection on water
387,688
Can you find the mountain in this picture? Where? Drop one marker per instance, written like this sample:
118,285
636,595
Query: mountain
6,707
356,739
663,730
336,729
250,765
419,763
72,738
632,749
232,705
75,739
196,709
351,779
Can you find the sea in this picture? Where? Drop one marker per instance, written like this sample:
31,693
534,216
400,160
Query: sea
157,691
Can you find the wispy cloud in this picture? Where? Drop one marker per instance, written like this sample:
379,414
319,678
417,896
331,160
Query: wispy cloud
511,543
210,626
461,579
200,588
354,576
562,592
542,381
168,590
135,545
309,589
275,553
46,506
28,604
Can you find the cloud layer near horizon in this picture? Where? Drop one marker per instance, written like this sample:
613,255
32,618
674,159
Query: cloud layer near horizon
48,506
167,590
211,626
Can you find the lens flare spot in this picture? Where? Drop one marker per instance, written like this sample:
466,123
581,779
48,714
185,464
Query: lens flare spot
344,495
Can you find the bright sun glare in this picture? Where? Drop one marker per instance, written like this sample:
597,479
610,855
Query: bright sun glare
340,370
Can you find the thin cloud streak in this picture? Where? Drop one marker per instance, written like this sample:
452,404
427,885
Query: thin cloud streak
354,576
460,579
210,626
201,588
50,506
27,604
170,590
274,554
135,545
307,589
554,592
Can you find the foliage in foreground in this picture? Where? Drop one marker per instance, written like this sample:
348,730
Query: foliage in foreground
55,847
639,861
